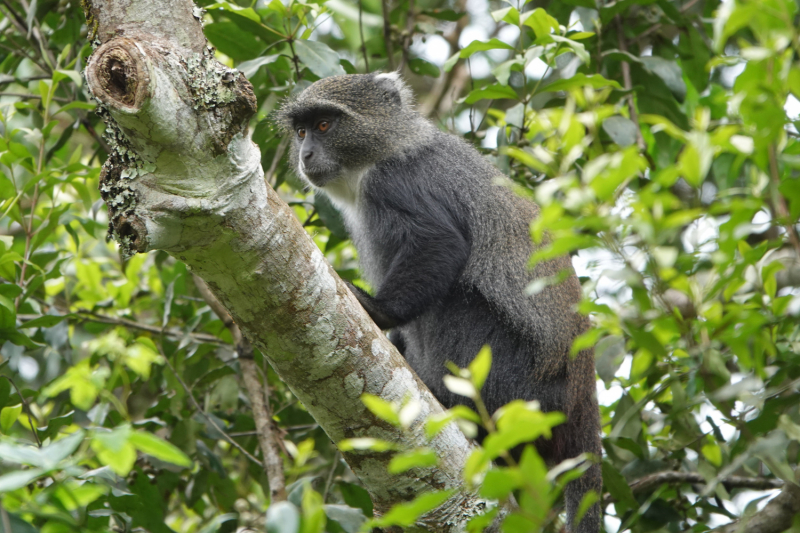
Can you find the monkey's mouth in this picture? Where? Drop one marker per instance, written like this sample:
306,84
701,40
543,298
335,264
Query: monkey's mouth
319,175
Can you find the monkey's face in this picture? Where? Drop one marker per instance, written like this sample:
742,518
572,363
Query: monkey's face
314,137
343,125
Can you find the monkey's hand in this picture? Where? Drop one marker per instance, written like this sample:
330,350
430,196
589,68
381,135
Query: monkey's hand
369,304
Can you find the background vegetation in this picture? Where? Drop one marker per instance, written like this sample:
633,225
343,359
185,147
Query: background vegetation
660,138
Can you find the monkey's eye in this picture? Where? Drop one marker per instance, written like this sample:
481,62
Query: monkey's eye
323,126
301,132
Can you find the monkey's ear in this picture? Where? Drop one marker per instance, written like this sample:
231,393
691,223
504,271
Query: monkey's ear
393,84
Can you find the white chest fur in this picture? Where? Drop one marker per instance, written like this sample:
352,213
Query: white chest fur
344,192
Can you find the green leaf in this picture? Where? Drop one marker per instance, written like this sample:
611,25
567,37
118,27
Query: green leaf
282,517
5,391
423,68
243,11
160,449
480,366
621,130
712,453
8,313
419,458
491,92
616,485
499,482
508,14
330,216
591,4
19,479
669,72
349,518
8,416
319,58
114,449
381,408
365,443
44,321
581,80
443,14
405,514
356,496
313,511
479,523
540,22
482,46
231,41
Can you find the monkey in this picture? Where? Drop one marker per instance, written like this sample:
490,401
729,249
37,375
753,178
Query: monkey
445,243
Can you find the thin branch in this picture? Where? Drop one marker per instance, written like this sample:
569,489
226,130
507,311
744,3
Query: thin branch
408,33
361,32
27,411
626,79
205,415
387,33
4,519
329,481
26,96
258,395
657,26
275,160
259,401
97,137
779,204
776,517
733,482
90,316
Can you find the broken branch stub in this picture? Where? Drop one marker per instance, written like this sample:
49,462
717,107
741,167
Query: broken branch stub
150,92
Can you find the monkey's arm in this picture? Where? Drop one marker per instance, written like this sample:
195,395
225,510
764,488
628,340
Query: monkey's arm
383,320
426,262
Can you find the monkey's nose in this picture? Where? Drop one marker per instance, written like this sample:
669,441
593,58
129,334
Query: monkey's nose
308,155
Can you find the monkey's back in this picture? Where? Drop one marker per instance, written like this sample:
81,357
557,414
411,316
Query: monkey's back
446,186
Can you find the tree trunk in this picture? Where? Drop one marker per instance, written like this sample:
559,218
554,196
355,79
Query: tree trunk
185,177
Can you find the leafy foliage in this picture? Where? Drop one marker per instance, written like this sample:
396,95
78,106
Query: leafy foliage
660,139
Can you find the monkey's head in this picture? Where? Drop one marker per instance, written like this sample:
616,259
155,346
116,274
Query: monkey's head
348,123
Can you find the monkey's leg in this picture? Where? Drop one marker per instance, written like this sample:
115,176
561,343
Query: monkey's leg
584,431
396,336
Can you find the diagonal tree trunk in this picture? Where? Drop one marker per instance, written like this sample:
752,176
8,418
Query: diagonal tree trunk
185,177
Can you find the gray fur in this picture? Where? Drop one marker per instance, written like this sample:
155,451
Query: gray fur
445,243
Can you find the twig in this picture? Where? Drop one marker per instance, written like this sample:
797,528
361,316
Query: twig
259,401
732,482
626,79
649,483
90,316
408,34
275,160
329,481
97,137
27,412
6,521
205,415
361,31
26,96
258,395
387,33
779,204
776,517
657,26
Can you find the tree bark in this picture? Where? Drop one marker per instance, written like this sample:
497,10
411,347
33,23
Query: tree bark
185,177
777,516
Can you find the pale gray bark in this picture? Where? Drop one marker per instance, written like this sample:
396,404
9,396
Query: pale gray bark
777,516
186,178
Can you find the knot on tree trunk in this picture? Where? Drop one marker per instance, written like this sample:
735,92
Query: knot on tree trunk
176,120
118,75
